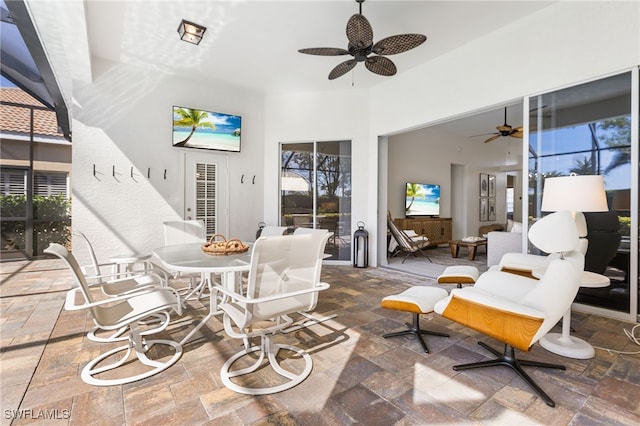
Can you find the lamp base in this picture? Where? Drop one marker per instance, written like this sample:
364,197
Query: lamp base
567,346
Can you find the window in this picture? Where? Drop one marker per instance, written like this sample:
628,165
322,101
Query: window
586,130
315,190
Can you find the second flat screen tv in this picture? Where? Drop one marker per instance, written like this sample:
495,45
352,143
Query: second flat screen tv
422,199
196,128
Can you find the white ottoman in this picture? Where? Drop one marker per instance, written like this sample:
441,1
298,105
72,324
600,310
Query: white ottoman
417,300
459,275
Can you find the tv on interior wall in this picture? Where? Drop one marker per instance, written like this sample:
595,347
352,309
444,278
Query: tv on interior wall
422,199
197,128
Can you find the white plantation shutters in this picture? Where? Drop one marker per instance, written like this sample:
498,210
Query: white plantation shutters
205,196
14,182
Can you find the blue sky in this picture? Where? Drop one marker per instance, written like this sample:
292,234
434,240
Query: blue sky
6,83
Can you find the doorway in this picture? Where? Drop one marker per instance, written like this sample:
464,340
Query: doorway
206,191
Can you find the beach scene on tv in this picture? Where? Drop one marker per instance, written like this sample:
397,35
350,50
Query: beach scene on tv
422,200
194,128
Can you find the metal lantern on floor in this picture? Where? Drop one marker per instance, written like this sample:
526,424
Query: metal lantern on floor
261,226
360,247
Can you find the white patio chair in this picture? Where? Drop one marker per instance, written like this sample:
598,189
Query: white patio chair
284,278
124,311
118,283
98,273
184,232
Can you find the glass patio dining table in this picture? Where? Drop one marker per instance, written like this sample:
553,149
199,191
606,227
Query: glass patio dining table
190,258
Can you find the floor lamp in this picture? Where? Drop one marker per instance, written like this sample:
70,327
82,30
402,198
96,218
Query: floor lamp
576,194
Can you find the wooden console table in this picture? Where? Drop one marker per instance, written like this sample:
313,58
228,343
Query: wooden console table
473,246
436,229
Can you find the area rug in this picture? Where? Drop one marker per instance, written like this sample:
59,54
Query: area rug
440,258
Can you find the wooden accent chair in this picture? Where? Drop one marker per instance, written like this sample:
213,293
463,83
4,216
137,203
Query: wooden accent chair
406,244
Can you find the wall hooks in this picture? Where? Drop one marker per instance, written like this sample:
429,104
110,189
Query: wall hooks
131,171
242,179
94,169
113,171
148,172
165,174
253,181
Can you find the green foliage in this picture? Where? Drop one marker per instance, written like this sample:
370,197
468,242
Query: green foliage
51,221
625,225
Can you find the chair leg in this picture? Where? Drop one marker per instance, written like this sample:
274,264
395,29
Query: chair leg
508,359
416,331
414,254
269,350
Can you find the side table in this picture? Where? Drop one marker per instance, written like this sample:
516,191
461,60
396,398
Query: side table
563,343
454,245
127,262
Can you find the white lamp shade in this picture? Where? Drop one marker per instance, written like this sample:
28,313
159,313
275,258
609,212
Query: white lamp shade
555,233
574,193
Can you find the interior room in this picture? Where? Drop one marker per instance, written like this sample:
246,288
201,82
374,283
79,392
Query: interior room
250,118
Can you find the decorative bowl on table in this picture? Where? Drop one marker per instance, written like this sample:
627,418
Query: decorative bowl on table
472,239
219,245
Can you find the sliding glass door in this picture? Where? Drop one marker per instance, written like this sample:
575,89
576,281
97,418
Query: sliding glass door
587,130
315,190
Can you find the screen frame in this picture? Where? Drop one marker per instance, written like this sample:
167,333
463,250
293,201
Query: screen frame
214,117
422,213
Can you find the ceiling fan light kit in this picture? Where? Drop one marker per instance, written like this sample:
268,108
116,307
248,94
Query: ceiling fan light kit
362,48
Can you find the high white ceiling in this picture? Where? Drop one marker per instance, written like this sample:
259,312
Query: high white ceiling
254,44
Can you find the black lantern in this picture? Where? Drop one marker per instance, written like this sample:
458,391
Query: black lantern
261,226
360,247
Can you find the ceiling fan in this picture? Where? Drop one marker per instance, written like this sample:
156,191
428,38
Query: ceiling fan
361,47
506,130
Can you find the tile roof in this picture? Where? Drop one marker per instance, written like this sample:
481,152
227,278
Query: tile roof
16,119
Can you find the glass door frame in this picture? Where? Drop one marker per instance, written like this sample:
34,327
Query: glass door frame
329,213
633,314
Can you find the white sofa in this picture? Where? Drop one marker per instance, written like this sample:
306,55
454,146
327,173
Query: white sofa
501,242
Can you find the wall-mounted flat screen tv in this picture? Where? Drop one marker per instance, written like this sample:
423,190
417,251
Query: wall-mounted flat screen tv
422,199
196,128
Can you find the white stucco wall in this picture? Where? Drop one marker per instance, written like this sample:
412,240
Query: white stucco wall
124,119
340,115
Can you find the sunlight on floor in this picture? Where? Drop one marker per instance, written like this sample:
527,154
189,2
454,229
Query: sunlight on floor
441,387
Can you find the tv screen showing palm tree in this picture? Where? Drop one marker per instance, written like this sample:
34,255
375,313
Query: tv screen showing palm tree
196,128
422,199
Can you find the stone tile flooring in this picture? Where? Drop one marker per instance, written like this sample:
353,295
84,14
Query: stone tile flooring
358,376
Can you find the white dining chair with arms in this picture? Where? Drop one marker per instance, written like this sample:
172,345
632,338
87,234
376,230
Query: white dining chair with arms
116,282
123,312
516,310
284,279
265,230
184,232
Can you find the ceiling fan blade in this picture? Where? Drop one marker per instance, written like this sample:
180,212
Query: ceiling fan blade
380,65
342,69
504,128
359,31
398,44
484,134
324,51
517,134
492,138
